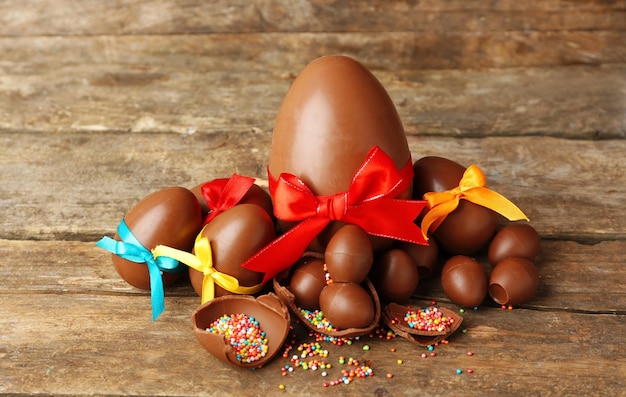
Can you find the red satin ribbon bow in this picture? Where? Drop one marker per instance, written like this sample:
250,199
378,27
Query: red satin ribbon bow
224,193
369,203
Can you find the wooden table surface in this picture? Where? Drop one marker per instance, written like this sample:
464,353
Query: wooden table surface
102,103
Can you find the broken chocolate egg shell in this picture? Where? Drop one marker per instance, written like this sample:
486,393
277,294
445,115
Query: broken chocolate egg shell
469,228
235,235
333,114
349,255
268,310
464,281
171,217
308,278
281,283
393,317
518,240
513,281
395,276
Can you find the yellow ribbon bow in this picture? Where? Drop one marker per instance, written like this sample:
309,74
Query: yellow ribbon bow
471,188
202,261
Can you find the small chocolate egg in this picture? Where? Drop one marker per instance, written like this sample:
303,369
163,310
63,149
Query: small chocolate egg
308,278
333,114
395,276
235,235
469,228
464,281
169,216
347,305
513,281
516,240
425,257
349,255
256,195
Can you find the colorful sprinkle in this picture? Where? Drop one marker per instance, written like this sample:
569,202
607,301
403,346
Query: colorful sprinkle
428,319
244,334
459,371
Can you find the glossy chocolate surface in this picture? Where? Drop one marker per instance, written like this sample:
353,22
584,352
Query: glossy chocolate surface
308,278
395,276
347,305
464,281
513,281
333,114
349,255
268,310
515,240
170,217
235,235
425,257
469,228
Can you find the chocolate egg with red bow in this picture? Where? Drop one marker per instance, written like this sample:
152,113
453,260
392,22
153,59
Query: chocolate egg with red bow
170,216
469,228
334,113
235,235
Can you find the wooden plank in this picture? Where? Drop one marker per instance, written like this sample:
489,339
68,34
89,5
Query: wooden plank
79,186
33,17
237,82
595,281
94,344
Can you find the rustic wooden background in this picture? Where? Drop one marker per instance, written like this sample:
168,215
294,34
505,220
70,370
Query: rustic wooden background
102,103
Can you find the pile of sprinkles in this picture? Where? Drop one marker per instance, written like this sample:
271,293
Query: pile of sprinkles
428,319
244,334
317,319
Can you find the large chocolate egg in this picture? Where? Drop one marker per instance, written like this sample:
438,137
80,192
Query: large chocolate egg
347,305
395,276
169,216
308,278
464,281
333,114
349,255
469,228
517,240
235,235
513,281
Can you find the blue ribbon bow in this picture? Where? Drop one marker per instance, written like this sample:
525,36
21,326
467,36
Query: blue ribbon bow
131,249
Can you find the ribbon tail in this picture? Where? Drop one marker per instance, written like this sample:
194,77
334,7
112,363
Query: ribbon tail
208,288
157,294
286,249
496,202
437,214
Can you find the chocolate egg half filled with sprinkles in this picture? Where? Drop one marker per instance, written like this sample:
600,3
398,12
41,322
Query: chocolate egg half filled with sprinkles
334,113
169,216
265,318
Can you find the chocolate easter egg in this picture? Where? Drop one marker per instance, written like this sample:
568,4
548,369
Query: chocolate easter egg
308,278
349,255
469,228
255,195
395,276
169,216
347,305
517,240
513,281
333,114
464,281
424,256
267,310
235,235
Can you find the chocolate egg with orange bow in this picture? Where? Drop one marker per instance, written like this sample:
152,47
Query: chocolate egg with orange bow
334,113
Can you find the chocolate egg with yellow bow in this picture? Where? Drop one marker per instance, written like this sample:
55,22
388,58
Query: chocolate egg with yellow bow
235,235
469,228
334,113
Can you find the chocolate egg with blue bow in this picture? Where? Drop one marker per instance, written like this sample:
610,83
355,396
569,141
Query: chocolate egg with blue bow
170,217
235,235
469,228
334,113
